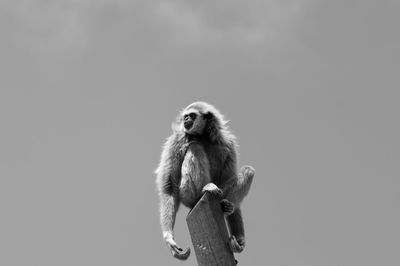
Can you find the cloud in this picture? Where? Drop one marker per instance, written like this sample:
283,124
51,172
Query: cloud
228,21
48,26
54,26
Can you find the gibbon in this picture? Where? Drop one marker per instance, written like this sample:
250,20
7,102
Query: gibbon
201,156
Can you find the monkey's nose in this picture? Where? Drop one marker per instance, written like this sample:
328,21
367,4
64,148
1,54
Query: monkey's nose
188,124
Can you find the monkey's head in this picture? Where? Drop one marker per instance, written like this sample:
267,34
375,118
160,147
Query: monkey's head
202,119
193,121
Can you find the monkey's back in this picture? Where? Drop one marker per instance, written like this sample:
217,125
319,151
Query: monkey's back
195,174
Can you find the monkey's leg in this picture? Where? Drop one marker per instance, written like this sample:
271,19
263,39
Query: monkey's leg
235,195
236,229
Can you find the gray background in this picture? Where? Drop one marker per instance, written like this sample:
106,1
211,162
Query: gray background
89,88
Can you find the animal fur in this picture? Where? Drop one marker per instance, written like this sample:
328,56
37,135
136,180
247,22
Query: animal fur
200,156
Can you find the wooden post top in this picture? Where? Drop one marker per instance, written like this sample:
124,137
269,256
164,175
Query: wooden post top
209,233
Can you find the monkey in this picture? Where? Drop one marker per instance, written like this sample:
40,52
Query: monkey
201,156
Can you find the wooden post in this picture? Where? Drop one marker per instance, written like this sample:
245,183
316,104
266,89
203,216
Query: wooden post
209,234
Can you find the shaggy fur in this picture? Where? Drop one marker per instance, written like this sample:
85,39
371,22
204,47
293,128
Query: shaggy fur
202,158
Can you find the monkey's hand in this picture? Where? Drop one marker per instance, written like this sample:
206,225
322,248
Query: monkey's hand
176,251
227,206
213,189
236,245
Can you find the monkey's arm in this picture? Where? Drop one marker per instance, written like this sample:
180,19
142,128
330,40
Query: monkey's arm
168,209
168,176
169,204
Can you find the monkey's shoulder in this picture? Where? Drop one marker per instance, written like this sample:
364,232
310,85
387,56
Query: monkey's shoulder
220,150
177,145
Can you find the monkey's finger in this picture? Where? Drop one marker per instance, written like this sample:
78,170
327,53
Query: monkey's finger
227,207
216,191
235,246
239,248
182,255
175,248
231,243
178,249
241,242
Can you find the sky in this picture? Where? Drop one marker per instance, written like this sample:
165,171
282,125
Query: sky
89,89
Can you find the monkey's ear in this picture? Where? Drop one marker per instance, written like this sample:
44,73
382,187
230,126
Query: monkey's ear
213,126
208,115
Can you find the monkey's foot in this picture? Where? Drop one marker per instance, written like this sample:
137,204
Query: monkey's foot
227,206
213,189
248,171
176,251
236,245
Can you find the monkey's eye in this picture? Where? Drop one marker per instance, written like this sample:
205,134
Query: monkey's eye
191,115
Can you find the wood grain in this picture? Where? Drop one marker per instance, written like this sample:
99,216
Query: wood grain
209,233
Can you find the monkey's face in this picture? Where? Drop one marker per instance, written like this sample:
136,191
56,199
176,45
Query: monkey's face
193,122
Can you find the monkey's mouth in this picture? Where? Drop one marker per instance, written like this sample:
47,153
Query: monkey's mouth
188,124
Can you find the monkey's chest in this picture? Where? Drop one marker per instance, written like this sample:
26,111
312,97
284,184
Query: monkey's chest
195,175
